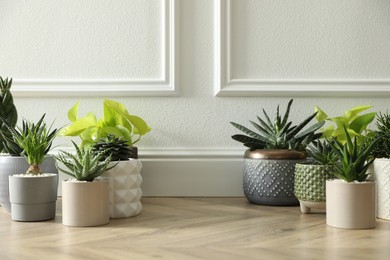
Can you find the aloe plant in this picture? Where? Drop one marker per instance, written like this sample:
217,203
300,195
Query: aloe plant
353,157
8,113
279,134
35,140
116,121
113,146
322,153
352,119
85,165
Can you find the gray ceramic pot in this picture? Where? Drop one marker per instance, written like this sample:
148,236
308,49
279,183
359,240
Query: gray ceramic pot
33,198
10,165
269,176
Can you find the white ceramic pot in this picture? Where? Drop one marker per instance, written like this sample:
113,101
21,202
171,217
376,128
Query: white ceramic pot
382,177
125,188
85,204
33,198
350,205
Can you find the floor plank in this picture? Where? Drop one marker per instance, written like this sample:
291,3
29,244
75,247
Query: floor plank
195,228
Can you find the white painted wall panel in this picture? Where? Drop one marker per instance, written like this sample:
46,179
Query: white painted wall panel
196,123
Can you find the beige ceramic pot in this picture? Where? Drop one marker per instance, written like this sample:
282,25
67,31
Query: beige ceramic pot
350,205
85,203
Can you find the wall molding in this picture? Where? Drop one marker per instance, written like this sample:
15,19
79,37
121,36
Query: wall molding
166,86
225,85
189,172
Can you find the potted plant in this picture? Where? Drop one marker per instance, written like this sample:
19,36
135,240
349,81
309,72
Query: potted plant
350,200
273,152
33,194
116,121
124,179
11,159
84,197
310,178
381,172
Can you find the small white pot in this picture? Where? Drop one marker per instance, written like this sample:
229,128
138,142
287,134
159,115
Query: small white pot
85,204
382,177
350,205
125,188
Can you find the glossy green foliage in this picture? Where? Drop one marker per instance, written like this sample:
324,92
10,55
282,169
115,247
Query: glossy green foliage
355,123
116,121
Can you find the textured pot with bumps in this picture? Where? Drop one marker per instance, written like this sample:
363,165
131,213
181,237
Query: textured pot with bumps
269,176
84,203
125,188
350,205
381,175
310,185
10,165
33,198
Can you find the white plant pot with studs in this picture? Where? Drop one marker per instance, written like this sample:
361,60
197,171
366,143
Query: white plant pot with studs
125,188
350,205
85,204
381,175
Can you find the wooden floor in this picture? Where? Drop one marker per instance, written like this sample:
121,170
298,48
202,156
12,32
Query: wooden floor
196,228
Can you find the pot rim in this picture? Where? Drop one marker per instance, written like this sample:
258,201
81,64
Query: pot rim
340,181
275,154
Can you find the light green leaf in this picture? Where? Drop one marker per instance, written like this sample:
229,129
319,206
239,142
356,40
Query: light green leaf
140,126
340,121
81,124
321,115
360,123
73,112
353,112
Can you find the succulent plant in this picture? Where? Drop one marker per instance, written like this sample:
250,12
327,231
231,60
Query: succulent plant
381,149
85,165
353,157
279,134
8,113
35,140
322,153
114,146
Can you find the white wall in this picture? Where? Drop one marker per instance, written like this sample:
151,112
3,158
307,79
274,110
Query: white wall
168,67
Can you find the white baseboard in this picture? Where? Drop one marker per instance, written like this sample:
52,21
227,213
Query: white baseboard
191,172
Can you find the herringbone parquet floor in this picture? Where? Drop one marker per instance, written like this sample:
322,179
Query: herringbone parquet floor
196,228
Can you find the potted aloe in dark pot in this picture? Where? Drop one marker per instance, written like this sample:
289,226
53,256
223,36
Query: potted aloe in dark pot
273,152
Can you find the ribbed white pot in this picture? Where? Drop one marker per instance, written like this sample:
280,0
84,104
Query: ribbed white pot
350,205
382,177
125,188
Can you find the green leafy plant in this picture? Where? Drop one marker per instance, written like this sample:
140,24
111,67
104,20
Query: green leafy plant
322,153
85,165
8,113
116,121
353,157
355,123
113,146
381,149
279,134
35,140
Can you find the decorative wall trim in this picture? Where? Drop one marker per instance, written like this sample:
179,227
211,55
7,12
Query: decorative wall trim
165,86
189,172
225,85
